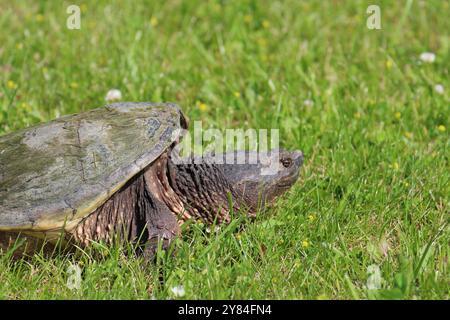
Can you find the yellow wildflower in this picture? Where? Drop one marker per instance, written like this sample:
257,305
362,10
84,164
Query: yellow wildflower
202,106
154,21
357,115
398,115
266,24
312,217
11,84
237,94
305,243
389,64
441,128
395,166
74,85
408,134
248,18
39,17
262,42
25,106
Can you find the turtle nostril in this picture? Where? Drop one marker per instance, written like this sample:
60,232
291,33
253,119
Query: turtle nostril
298,157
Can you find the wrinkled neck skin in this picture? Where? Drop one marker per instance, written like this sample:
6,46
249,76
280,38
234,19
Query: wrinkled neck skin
204,192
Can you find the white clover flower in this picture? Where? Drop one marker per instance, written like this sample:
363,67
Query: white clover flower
439,88
308,103
216,229
374,278
428,57
113,95
384,247
178,291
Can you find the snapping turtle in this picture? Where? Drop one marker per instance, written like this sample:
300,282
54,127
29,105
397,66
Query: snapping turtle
109,173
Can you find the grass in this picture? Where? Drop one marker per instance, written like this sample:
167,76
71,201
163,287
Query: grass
374,191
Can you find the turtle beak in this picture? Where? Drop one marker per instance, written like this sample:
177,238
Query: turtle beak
297,158
290,175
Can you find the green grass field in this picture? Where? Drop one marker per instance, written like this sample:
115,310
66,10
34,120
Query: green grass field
374,191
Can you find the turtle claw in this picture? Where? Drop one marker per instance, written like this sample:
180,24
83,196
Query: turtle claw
151,248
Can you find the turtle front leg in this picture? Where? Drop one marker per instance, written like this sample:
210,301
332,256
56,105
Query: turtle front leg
136,214
161,221
162,227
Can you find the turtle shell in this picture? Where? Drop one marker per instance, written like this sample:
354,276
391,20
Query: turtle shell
55,174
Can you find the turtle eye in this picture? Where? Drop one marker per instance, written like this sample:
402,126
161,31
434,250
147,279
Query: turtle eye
287,162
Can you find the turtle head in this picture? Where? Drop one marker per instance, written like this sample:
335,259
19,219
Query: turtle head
254,180
262,181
